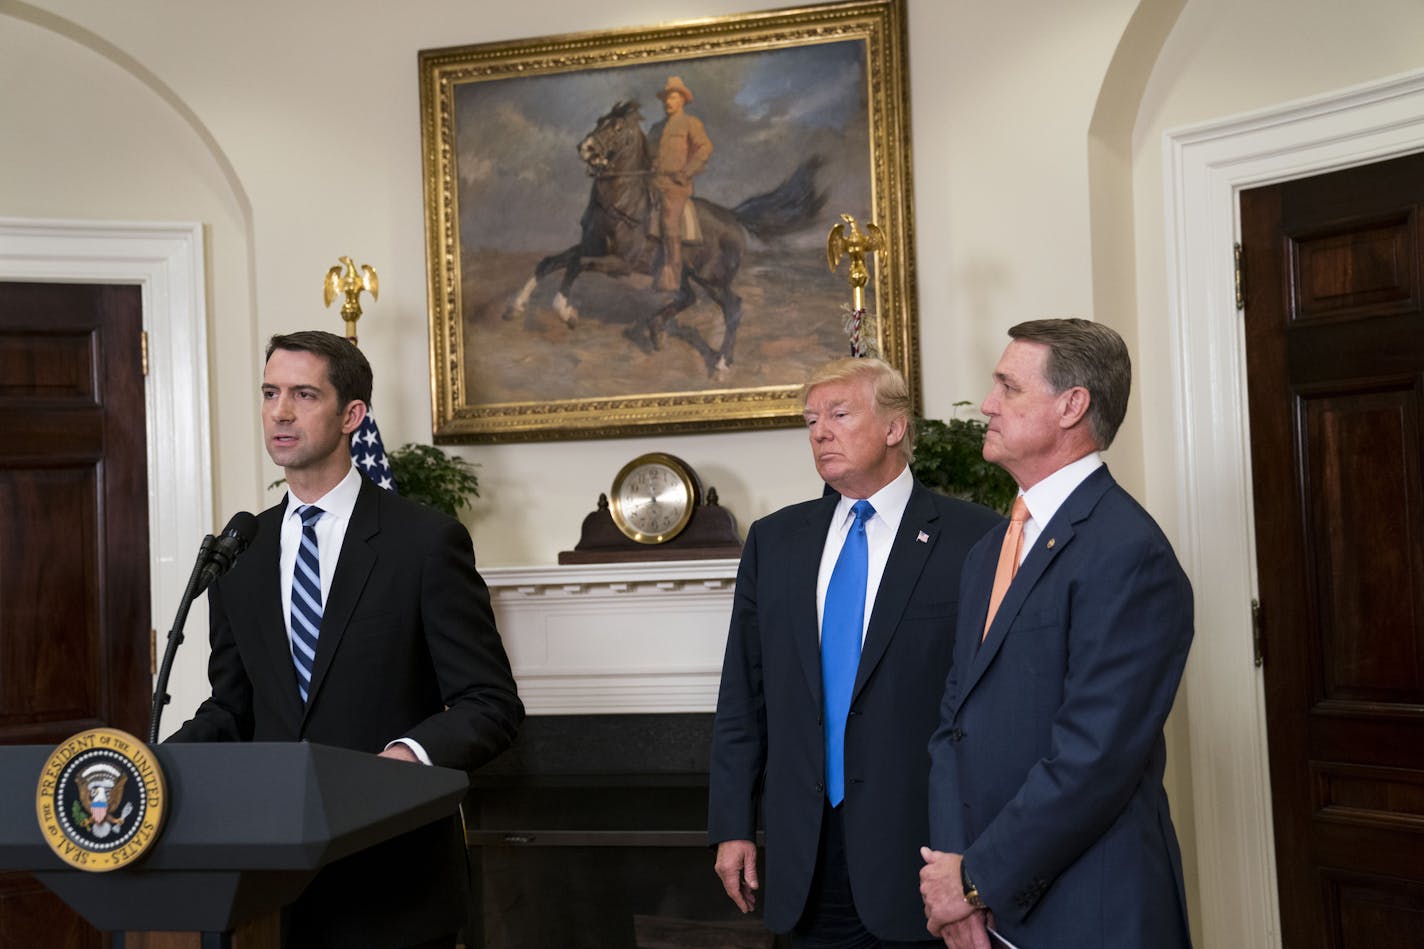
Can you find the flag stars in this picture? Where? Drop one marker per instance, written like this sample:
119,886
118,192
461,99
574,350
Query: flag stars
369,454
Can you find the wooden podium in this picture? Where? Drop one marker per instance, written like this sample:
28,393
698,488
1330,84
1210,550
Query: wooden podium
248,826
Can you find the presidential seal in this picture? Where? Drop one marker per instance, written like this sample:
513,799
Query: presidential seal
101,800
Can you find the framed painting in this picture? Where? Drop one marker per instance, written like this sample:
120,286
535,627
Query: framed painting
627,230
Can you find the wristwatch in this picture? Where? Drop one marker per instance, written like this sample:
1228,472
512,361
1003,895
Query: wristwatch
971,892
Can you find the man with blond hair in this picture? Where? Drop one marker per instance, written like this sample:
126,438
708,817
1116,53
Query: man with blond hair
840,640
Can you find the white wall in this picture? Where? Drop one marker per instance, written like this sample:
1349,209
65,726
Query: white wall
300,141
318,126
291,131
84,137
1226,58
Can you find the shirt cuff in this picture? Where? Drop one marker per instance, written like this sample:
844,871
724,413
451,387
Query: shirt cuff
414,747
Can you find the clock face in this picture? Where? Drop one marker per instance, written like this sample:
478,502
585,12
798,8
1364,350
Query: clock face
653,499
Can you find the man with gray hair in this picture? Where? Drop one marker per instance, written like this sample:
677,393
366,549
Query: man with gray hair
1047,809
841,632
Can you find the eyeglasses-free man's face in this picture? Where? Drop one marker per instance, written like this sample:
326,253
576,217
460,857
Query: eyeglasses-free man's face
304,426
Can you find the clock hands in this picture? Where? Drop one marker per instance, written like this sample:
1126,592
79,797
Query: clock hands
654,498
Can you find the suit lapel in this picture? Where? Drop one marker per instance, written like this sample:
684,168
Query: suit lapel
908,556
353,568
1055,537
808,543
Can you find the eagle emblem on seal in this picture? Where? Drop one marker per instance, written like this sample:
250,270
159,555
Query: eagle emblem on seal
101,793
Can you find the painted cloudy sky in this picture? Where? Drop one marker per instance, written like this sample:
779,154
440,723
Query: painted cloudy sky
523,187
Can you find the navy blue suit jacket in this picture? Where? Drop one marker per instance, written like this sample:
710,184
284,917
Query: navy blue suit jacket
767,745
1047,764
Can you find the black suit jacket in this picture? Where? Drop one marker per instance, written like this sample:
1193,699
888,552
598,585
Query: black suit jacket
408,649
767,745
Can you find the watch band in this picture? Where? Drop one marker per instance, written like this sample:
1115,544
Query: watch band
971,892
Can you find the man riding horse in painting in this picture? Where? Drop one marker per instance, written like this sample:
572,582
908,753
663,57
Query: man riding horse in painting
616,228
679,148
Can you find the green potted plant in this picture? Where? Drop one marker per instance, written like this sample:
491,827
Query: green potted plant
949,458
426,474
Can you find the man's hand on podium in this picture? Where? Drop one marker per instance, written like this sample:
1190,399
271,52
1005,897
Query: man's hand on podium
400,752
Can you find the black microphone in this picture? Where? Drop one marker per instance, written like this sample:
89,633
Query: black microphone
227,546
215,556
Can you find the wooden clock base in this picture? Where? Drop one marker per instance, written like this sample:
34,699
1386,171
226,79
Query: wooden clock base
711,534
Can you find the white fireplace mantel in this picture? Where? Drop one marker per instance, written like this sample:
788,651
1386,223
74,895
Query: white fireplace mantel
615,638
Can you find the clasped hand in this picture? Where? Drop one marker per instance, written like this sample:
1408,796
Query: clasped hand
950,916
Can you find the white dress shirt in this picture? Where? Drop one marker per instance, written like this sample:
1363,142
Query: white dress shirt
1045,498
889,503
338,503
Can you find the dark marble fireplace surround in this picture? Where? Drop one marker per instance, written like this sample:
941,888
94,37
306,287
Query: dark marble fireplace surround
591,832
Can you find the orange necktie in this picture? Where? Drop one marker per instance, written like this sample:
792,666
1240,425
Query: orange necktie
1008,559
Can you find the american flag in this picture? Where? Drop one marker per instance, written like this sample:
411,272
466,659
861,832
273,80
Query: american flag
368,453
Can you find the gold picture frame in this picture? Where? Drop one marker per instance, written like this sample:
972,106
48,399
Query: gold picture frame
807,110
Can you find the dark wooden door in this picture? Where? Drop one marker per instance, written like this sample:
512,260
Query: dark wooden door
1335,375
74,578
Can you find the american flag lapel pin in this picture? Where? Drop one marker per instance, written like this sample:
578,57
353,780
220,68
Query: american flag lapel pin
922,538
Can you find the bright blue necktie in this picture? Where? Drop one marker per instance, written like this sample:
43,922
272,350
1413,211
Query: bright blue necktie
306,599
843,619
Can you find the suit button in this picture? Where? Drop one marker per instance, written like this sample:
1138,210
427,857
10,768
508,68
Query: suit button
820,788
957,735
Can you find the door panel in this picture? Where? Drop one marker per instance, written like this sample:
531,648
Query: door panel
1362,471
74,579
1334,331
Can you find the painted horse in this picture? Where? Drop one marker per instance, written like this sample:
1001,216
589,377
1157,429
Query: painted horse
615,238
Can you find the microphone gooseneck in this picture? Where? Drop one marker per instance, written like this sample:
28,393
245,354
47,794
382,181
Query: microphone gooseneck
216,556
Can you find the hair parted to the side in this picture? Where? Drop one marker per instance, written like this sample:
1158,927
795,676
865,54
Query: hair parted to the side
892,393
346,366
1090,355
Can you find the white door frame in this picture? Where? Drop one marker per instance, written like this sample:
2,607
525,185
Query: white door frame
166,261
1206,168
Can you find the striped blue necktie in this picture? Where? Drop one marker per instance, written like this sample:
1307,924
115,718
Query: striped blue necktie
306,599
842,625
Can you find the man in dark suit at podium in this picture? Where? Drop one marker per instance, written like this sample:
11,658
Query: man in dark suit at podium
357,619
841,635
